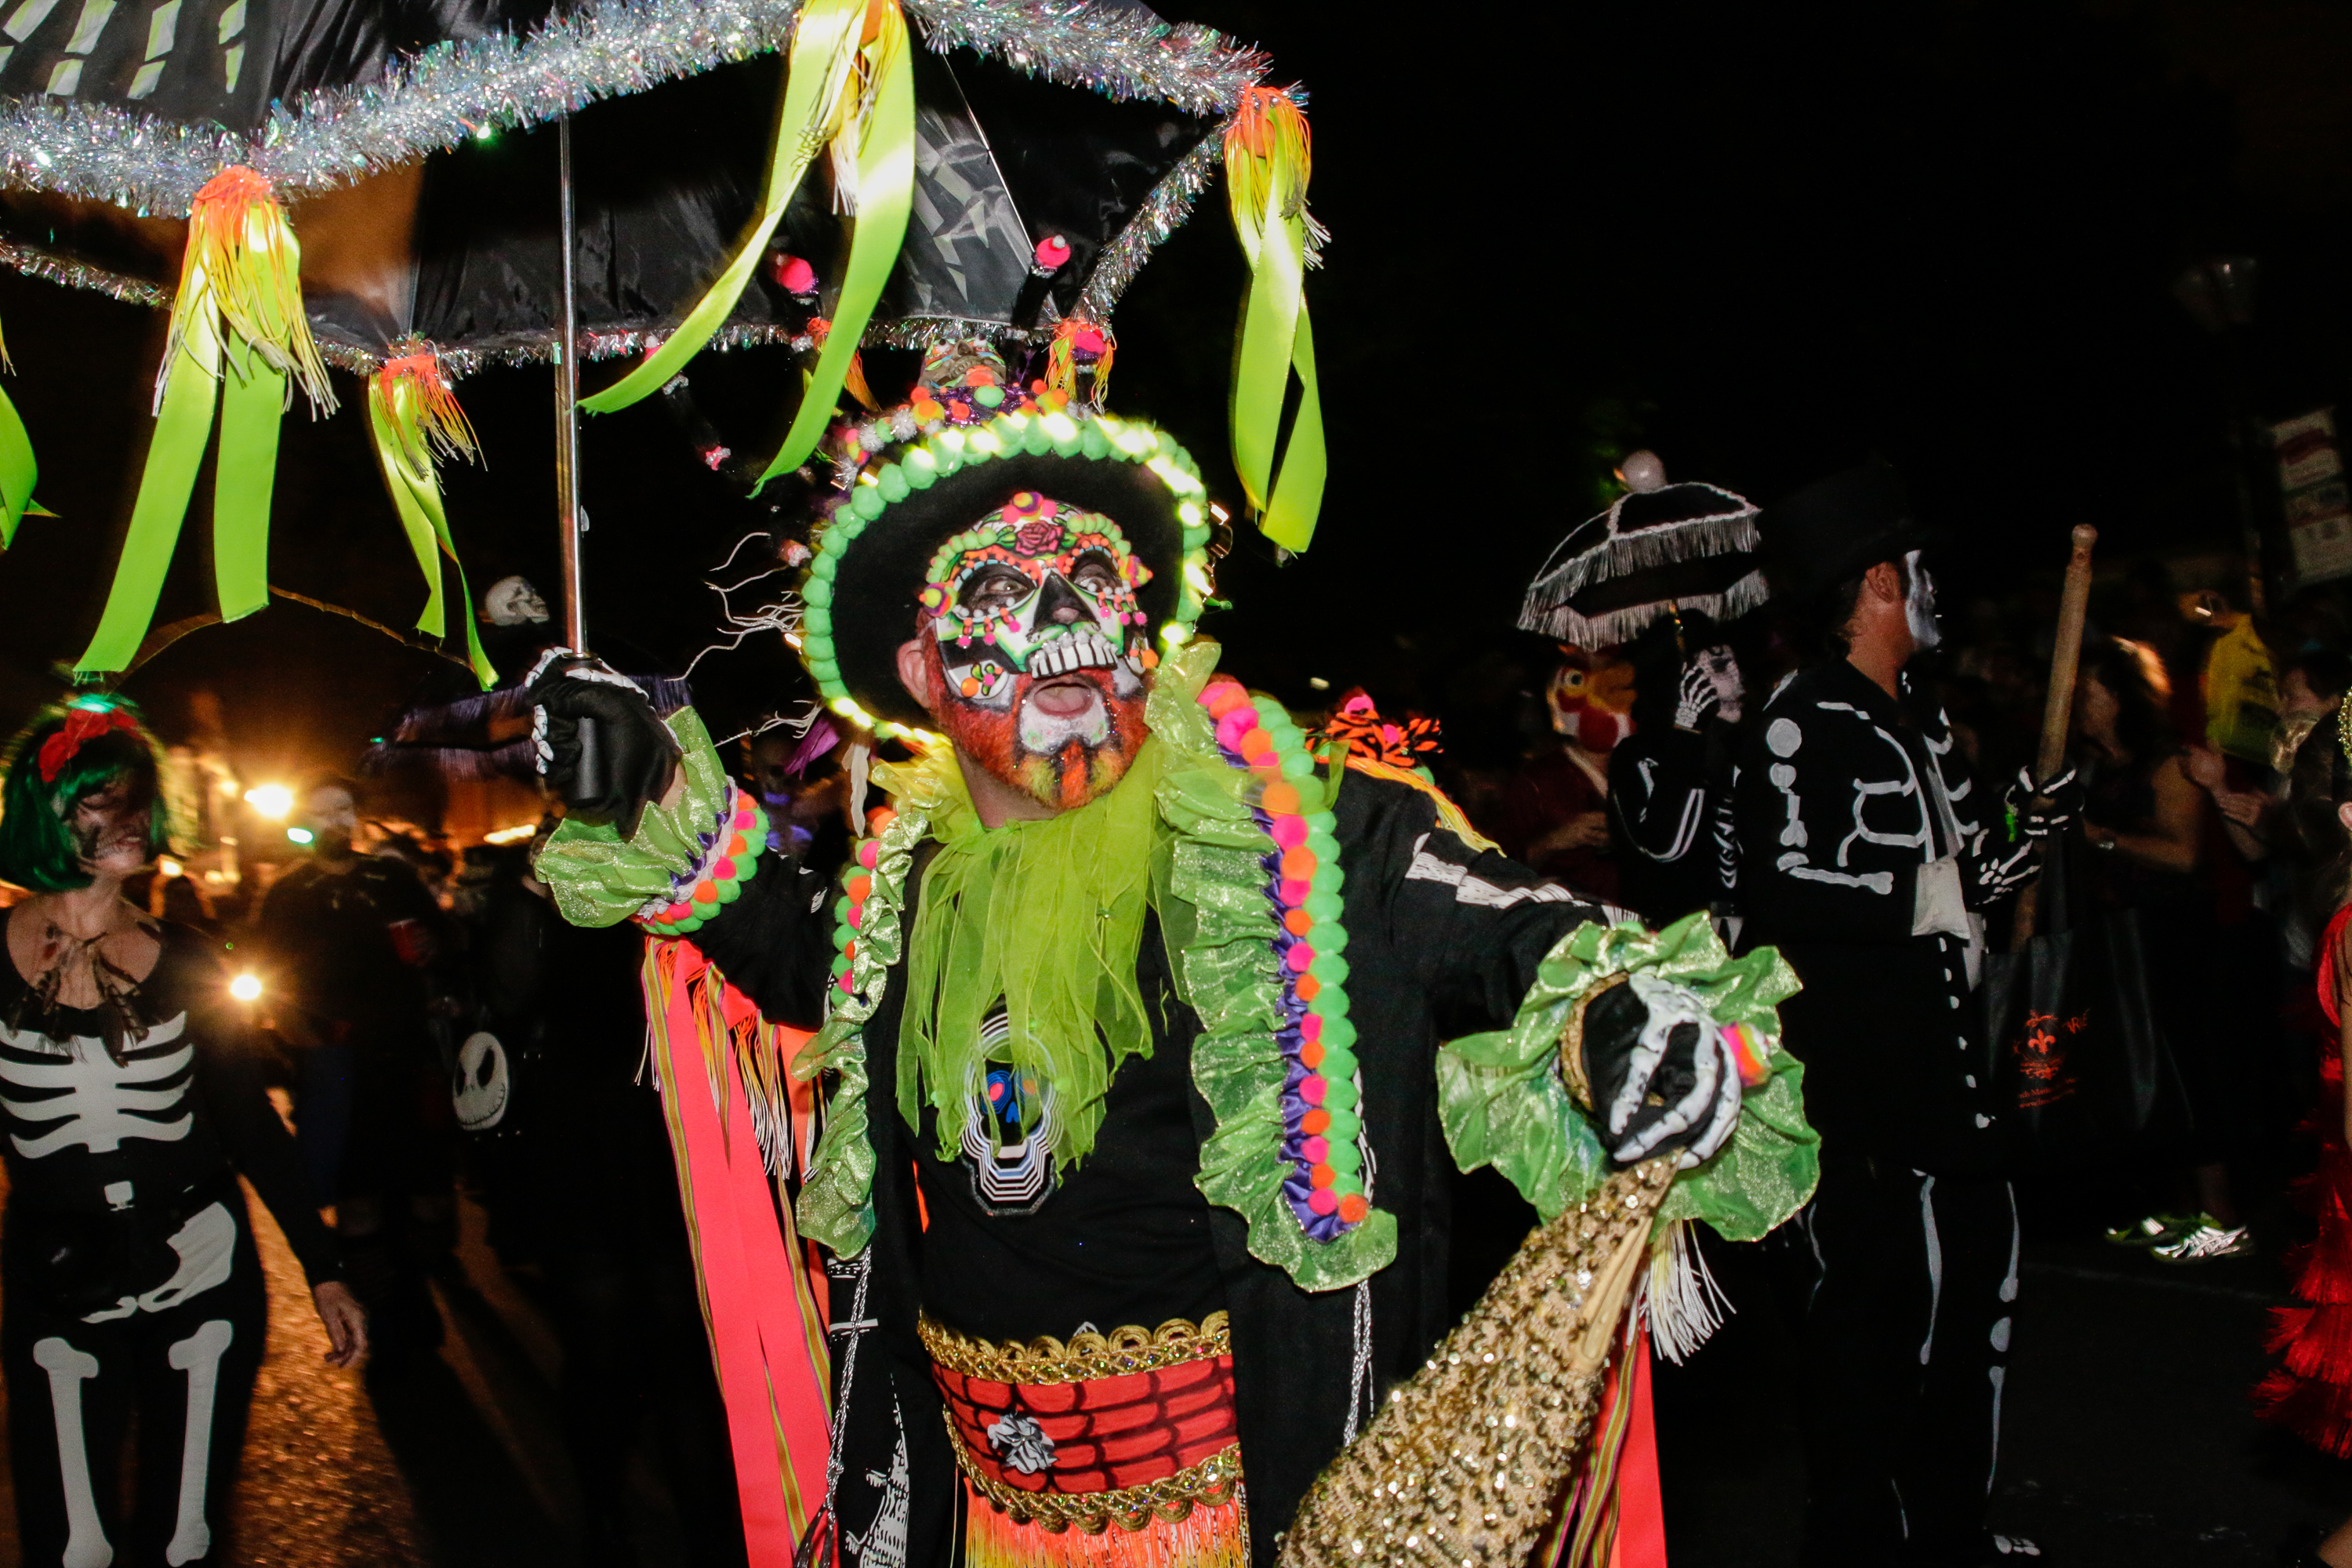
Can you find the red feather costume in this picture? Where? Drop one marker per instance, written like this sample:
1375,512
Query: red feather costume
2310,1390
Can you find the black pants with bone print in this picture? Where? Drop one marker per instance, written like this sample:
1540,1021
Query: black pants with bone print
183,1353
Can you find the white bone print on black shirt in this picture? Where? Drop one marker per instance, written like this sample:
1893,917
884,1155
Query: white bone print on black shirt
101,1101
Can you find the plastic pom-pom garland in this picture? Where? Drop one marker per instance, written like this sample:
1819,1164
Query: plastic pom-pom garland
728,862
1323,1140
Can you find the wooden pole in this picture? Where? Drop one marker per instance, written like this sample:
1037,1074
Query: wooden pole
2058,708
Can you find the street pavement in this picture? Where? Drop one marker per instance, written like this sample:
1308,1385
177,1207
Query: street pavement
2127,1435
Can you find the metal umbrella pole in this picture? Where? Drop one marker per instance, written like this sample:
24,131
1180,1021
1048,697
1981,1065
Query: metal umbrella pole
589,780
567,409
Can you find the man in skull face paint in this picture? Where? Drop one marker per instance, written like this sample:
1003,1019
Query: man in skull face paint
1103,1072
1030,654
1870,857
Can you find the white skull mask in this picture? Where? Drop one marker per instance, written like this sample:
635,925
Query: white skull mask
513,602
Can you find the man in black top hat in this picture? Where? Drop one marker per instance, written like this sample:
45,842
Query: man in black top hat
1866,857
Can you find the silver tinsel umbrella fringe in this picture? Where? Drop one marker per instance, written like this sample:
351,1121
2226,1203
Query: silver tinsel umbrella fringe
455,91
1162,213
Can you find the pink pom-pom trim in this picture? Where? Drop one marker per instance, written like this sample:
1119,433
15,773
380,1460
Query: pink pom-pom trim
1290,832
1323,1200
1300,957
1311,1087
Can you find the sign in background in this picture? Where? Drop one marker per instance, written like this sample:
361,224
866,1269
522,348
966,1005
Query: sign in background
2313,495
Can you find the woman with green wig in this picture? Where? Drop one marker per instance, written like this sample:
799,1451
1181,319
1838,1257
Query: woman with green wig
131,1098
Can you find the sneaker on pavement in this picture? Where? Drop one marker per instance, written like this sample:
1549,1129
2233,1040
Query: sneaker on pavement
2155,1230
2206,1243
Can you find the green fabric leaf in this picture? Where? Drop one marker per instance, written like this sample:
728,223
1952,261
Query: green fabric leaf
1503,1102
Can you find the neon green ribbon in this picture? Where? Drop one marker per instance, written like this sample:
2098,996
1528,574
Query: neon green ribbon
253,400
1276,340
182,423
825,50
886,192
406,461
18,471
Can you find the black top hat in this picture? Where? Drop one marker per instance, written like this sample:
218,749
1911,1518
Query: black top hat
1837,528
906,497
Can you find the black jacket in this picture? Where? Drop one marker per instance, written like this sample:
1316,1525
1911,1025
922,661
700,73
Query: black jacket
1842,799
1443,940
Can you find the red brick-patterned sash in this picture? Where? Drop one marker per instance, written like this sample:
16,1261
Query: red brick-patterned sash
1120,1428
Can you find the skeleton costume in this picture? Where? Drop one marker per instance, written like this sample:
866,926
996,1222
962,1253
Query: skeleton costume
127,1276
1132,1161
1867,860
1657,573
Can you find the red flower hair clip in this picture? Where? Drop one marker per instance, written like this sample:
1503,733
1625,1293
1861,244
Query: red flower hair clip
82,726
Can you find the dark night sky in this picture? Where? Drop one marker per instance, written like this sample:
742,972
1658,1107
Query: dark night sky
1765,240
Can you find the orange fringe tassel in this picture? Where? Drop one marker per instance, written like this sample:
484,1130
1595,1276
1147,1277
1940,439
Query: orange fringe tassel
1207,1537
1267,143
422,406
242,260
1061,358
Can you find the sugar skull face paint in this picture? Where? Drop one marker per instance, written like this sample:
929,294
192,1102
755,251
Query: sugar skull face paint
1039,647
1037,588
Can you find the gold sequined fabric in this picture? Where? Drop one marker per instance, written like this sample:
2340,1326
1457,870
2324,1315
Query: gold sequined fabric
1466,1463
1086,1356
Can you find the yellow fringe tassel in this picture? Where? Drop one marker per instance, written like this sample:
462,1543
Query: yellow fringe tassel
1207,1537
243,261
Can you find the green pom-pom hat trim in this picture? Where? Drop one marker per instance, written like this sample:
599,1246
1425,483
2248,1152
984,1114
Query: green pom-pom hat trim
895,482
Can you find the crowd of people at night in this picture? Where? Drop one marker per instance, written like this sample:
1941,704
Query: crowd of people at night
1847,773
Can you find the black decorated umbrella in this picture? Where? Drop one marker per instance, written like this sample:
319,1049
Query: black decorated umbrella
1660,550
916,186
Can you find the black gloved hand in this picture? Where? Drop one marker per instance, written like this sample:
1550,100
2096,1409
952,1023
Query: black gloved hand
2064,793
1991,872
601,748
1661,1077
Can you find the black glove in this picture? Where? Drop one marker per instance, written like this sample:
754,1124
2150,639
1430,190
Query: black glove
2064,795
1661,1077
601,749
1991,872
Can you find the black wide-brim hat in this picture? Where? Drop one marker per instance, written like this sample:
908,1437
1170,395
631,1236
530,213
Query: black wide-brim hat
1838,528
862,588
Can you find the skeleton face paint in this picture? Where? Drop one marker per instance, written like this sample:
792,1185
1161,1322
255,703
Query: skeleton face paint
1040,648
109,826
1722,673
1919,605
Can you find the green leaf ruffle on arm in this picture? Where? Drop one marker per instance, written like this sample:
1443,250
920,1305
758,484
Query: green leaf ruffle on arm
1220,930
1504,1104
836,1200
600,878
